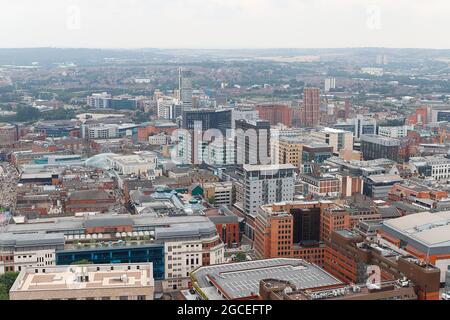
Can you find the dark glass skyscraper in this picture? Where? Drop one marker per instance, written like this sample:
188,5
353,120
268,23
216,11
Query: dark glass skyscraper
210,118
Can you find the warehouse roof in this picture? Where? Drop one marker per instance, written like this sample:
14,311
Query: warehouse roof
425,231
239,280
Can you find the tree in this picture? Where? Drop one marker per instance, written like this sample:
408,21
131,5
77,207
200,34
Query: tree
241,256
212,200
25,114
83,261
6,282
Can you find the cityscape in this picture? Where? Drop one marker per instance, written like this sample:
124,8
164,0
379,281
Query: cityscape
224,174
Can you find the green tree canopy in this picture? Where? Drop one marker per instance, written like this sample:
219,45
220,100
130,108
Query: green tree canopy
6,282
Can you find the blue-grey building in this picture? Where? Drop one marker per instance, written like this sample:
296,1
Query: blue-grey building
126,254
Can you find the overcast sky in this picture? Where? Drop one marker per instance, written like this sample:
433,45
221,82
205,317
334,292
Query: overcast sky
225,23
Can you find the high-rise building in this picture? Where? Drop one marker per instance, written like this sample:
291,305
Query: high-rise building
185,87
210,119
168,108
267,184
246,113
311,106
196,122
253,146
330,83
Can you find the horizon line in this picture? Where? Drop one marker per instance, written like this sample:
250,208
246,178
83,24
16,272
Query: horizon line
224,48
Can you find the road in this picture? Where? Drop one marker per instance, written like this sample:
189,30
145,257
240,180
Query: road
8,184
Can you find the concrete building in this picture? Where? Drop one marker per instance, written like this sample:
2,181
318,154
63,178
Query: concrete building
247,113
102,131
330,83
376,147
99,100
140,163
437,167
289,150
19,251
267,184
321,185
222,192
394,132
439,115
85,282
336,138
379,186
358,126
159,140
187,247
168,108
8,134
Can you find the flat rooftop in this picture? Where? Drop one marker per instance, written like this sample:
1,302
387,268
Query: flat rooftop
70,224
270,167
385,178
423,230
98,277
239,280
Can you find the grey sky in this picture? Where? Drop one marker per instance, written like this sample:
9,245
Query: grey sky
225,23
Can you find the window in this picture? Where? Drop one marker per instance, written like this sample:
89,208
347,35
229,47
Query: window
141,298
123,298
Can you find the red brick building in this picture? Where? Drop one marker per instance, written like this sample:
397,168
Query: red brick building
89,201
228,229
275,113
